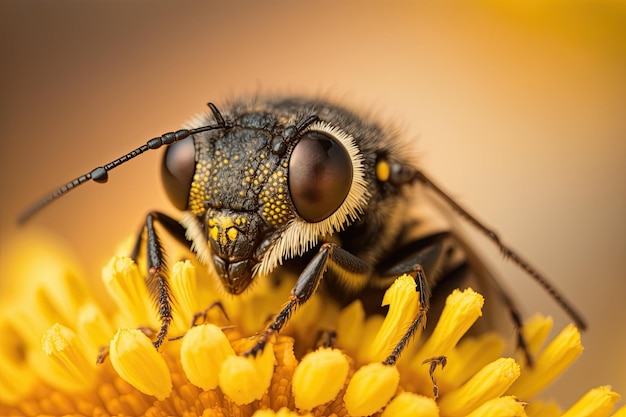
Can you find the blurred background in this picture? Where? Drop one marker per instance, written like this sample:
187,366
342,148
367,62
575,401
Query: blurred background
517,108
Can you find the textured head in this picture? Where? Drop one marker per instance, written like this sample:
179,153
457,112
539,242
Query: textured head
267,186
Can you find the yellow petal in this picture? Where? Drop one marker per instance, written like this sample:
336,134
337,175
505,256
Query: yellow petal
128,289
137,362
93,325
550,363
462,309
202,353
500,407
620,413
541,409
471,355
71,368
16,379
350,326
245,379
598,402
184,288
370,327
371,388
536,331
403,302
490,382
319,377
408,404
283,412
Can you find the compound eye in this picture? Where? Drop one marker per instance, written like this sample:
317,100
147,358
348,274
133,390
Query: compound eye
320,176
177,171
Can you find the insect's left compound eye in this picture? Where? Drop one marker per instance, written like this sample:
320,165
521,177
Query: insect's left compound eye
320,175
177,171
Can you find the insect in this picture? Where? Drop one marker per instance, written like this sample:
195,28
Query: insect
303,185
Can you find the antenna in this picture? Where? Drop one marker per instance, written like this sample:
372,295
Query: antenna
506,251
101,174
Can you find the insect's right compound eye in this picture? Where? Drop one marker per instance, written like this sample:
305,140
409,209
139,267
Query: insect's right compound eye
320,175
177,171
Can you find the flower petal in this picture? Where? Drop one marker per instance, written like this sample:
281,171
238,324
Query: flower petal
408,404
490,382
550,363
283,412
71,368
203,351
135,359
183,284
500,407
371,388
598,402
128,289
319,377
245,379
403,302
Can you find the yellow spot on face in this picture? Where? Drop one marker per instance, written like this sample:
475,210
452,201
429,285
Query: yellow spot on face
214,233
232,233
382,170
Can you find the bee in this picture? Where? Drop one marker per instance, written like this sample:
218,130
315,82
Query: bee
303,185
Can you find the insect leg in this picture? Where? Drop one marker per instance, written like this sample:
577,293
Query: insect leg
346,266
157,269
430,253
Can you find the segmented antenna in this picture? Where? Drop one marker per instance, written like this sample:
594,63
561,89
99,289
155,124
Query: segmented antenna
507,252
100,174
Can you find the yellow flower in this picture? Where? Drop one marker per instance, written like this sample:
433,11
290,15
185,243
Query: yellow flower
54,332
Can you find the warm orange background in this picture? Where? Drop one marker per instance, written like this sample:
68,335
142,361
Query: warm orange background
518,108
